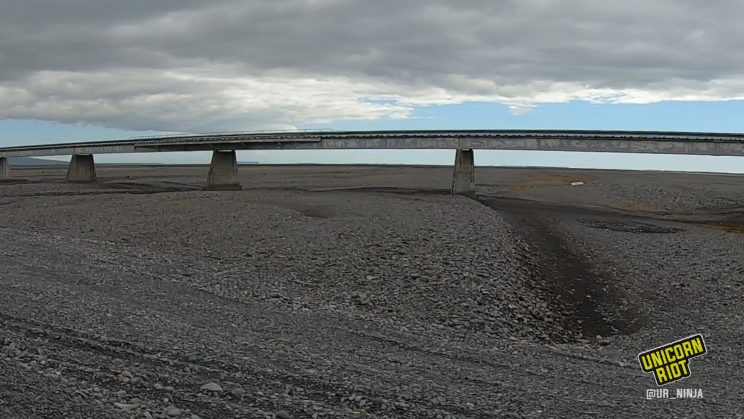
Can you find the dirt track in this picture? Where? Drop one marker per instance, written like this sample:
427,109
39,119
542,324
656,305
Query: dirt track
366,292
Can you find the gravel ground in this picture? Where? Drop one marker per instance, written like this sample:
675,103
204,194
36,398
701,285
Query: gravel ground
366,292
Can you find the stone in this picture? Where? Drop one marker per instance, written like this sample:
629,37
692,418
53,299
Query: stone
125,406
211,387
174,412
125,376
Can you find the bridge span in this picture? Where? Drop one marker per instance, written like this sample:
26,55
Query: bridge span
223,171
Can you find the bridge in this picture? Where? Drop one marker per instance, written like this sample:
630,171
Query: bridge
223,170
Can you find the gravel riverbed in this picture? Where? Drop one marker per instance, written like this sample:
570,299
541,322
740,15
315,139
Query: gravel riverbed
366,292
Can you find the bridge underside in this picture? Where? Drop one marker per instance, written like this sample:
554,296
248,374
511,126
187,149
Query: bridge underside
223,171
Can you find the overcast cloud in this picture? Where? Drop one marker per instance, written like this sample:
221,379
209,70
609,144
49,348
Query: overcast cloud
183,65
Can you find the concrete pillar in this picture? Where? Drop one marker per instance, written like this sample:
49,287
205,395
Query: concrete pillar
4,168
463,178
82,168
223,172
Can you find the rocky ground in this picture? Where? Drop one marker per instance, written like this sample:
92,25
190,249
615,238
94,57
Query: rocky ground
366,292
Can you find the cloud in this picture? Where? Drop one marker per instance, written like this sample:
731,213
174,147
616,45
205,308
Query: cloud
182,65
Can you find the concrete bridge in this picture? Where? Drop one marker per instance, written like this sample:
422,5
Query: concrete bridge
223,171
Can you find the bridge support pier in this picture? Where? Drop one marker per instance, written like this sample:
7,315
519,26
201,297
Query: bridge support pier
4,168
82,169
223,172
463,177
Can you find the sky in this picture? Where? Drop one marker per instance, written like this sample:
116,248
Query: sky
83,70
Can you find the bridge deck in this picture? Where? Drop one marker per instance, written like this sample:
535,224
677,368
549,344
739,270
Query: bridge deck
725,144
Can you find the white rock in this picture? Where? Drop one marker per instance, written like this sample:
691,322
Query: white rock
125,407
174,411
